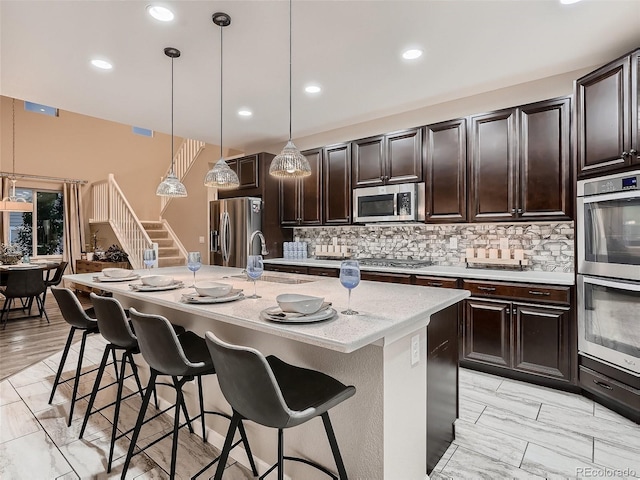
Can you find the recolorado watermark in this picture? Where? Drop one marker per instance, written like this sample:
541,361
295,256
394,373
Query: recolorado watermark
605,472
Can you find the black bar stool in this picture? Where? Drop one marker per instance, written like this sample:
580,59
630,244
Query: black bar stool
26,285
56,279
79,319
182,357
275,394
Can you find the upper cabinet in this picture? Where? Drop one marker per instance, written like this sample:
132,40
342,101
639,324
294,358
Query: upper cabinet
445,146
385,159
248,170
301,198
607,117
520,163
336,182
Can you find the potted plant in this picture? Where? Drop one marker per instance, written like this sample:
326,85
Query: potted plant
113,254
9,254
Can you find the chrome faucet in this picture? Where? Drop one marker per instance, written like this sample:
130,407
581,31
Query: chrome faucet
263,243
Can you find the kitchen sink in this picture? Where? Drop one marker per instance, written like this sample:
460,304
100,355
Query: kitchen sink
276,279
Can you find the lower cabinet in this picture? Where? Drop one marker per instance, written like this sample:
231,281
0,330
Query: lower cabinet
521,337
90,266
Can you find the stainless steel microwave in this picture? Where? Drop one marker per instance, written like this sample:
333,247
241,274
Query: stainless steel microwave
389,203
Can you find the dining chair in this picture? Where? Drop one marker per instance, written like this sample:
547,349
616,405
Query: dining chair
25,284
274,394
56,279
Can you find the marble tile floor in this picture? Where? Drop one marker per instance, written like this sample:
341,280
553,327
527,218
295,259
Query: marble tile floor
506,429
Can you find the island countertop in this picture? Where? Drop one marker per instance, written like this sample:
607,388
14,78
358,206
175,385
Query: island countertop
387,311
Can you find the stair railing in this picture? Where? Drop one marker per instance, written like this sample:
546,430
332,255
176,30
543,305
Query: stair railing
183,160
111,206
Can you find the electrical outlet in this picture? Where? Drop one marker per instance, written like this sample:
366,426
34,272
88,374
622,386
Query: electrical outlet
415,349
504,243
201,239
453,243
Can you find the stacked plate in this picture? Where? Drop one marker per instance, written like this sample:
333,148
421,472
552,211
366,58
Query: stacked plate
294,308
213,292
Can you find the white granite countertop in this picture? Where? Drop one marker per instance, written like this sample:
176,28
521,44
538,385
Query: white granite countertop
550,278
387,311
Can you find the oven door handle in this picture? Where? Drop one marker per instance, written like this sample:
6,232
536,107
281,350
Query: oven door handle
619,284
604,197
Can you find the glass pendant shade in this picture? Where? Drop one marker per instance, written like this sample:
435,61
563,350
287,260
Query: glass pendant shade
290,163
221,176
171,187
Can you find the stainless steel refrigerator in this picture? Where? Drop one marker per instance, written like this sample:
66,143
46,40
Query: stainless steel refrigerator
232,221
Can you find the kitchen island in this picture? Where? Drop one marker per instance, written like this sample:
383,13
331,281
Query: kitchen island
382,430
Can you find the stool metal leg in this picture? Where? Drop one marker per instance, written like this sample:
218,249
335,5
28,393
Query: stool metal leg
342,472
116,414
176,427
178,385
63,360
224,456
77,380
139,422
245,441
96,386
201,401
280,454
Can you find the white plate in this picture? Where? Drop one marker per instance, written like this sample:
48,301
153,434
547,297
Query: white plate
275,314
116,279
235,294
149,288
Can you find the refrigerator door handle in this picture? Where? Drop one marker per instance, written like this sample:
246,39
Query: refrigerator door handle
225,223
214,241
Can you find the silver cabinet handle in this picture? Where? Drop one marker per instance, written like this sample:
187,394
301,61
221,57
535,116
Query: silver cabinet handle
603,385
534,292
487,289
625,154
513,210
633,151
520,210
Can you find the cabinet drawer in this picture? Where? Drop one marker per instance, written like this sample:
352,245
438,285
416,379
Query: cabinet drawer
386,277
436,281
526,292
286,268
324,272
603,386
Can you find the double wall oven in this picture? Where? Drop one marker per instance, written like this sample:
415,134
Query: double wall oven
608,243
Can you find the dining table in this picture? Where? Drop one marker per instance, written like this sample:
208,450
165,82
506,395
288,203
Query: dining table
47,267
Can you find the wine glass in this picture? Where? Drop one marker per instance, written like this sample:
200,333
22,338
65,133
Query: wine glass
149,257
194,262
254,271
349,278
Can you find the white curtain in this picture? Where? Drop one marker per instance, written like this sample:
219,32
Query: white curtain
73,219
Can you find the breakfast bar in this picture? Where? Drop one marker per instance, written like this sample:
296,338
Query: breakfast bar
382,430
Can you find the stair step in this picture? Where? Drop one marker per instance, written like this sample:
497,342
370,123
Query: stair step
164,242
171,261
157,234
168,252
151,225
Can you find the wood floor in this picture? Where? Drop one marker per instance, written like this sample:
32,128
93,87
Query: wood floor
27,341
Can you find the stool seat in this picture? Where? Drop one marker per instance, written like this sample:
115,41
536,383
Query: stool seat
308,393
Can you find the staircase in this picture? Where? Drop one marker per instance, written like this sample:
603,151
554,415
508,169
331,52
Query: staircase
169,254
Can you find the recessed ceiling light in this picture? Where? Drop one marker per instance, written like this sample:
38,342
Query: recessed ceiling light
312,89
568,2
244,112
160,13
102,64
412,54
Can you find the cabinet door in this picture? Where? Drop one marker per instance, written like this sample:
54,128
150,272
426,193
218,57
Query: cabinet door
545,183
336,170
603,122
487,332
248,171
493,168
541,340
368,162
289,201
404,156
635,106
386,277
311,191
446,171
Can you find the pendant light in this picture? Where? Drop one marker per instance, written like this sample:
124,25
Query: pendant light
171,185
290,162
221,175
13,203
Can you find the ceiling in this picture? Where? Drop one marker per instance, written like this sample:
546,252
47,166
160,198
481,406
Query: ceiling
351,48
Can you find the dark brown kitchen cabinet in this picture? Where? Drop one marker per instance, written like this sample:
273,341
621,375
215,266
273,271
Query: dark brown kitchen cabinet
385,159
607,117
336,173
247,170
445,146
519,330
301,198
493,152
442,282
404,278
520,163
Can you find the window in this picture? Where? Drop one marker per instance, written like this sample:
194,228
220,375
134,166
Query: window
46,220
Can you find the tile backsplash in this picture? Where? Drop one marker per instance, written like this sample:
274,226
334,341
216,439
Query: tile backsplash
547,246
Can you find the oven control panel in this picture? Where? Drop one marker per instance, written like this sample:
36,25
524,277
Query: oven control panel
621,182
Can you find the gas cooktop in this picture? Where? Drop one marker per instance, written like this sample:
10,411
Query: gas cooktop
394,262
